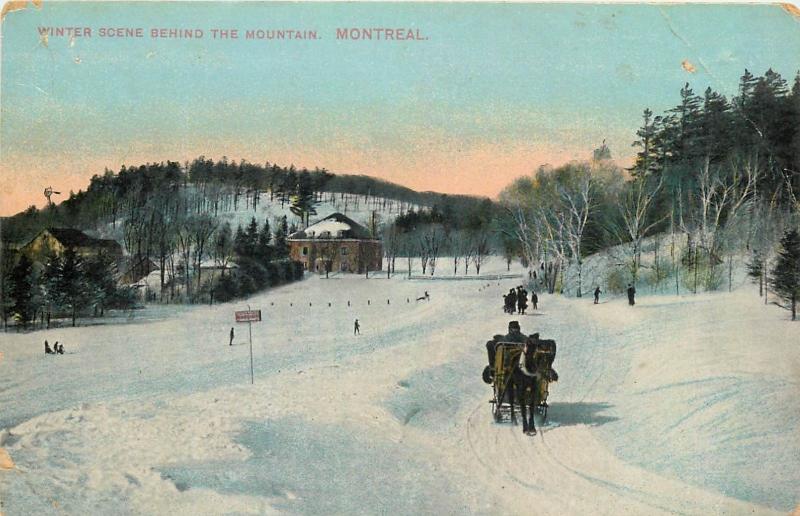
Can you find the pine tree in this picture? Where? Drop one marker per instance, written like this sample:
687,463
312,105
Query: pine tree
646,158
100,281
755,270
687,120
50,279
6,283
250,238
66,283
281,234
785,278
263,249
303,200
240,242
22,291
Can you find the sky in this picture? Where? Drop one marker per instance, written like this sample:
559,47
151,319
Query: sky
492,92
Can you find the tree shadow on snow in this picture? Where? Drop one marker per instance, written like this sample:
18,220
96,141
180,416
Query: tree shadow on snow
580,413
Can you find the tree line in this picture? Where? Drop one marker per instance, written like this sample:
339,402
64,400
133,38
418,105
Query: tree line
713,178
67,284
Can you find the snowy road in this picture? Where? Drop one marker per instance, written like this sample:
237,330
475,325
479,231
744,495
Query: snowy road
161,417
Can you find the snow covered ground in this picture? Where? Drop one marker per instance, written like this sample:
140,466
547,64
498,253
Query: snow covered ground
684,405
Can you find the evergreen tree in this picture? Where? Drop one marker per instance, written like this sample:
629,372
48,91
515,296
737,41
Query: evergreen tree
785,278
755,270
252,237
100,281
646,157
6,282
67,285
50,286
263,248
281,234
716,125
303,200
240,242
687,125
22,291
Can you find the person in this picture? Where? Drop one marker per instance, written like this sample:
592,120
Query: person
230,343
535,301
631,294
522,300
356,328
597,295
512,301
59,348
514,335
47,350
505,303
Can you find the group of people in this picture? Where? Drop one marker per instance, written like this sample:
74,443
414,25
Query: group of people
516,301
58,349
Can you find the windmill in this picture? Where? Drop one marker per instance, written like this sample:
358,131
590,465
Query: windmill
48,192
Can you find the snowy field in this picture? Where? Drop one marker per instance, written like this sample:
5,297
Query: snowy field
679,405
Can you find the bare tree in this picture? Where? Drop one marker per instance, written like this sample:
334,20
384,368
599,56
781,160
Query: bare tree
481,248
635,207
202,227
391,246
576,189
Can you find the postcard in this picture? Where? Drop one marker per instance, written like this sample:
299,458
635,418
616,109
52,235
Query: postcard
399,258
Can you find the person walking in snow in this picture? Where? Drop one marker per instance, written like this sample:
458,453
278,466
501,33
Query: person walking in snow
522,300
631,294
230,343
47,350
356,328
535,301
597,295
512,301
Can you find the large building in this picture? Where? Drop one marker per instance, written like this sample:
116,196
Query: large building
336,244
57,240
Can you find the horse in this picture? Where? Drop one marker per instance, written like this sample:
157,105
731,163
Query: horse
514,381
525,379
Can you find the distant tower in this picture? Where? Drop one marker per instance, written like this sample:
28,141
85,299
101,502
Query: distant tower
48,192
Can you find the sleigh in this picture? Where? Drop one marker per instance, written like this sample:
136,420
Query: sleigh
506,359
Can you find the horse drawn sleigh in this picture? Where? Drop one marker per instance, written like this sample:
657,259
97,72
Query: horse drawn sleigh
520,373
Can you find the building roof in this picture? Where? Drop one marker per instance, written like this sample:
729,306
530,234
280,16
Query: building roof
334,226
70,237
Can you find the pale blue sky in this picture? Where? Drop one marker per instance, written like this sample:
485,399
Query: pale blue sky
509,85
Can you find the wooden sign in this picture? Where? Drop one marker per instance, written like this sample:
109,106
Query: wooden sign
248,316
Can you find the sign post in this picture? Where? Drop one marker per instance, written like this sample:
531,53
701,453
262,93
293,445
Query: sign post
249,316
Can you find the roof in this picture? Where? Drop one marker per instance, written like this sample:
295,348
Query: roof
334,226
70,237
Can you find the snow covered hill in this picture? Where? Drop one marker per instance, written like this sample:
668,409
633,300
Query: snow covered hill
681,405
358,207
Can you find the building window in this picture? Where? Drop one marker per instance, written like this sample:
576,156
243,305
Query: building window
305,251
344,251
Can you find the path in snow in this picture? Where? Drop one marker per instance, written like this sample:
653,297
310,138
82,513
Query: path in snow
160,417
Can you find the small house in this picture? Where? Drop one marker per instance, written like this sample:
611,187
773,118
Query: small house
57,240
